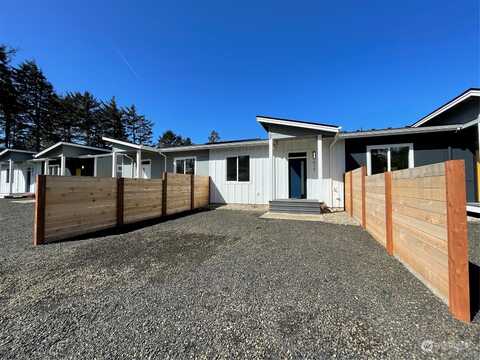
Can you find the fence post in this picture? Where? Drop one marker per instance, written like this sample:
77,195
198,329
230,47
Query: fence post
388,213
164,194
458,277
120,192
364,204
39,220
192,191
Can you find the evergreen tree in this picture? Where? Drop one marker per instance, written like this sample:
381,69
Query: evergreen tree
170,139
138,129
113,120
85,118
35,97
214,137
9,106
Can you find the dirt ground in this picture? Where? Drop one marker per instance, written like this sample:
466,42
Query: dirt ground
218,283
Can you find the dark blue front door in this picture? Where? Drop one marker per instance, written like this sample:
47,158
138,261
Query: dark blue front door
297,178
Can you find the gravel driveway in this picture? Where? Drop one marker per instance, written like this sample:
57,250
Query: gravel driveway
217,284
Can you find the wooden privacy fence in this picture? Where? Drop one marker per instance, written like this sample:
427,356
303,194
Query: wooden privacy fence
69,206
419,216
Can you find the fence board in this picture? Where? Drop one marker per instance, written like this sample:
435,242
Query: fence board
142,199
375,207
201,191
178,193
357,194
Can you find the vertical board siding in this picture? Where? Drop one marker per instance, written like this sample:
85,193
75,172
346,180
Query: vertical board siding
419,209
178,193
375,207
357,194
142,199
71,206
79,205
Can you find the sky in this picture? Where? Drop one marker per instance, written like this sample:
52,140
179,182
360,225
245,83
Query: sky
195,66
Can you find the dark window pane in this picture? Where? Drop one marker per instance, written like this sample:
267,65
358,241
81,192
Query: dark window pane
244,168
379,160
190,166
7,180
297,155
232,169
399,158
180,168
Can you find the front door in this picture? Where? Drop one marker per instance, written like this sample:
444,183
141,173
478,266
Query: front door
297,178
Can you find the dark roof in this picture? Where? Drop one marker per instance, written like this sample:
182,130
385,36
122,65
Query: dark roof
231,141
298,121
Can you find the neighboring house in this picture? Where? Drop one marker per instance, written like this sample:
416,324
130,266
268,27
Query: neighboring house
17,172
68,159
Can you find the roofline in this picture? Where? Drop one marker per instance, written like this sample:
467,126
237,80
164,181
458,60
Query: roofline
458,99
214,146
4,151
61,143
297,123
406,131
129,144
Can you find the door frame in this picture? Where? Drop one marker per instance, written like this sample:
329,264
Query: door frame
305,164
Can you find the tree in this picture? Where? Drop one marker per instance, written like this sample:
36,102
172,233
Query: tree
35,98
112,120
138,129
214,137
9,106
170,139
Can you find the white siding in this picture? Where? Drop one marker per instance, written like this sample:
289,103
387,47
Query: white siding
19,184
256,191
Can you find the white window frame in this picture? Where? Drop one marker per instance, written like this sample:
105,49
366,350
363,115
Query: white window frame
50,167
184,168
145,162
249,170
411,163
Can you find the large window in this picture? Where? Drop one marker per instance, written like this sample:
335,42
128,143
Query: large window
238,168
54,170
384,158
185,165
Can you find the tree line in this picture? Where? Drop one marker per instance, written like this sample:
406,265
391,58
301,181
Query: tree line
34,116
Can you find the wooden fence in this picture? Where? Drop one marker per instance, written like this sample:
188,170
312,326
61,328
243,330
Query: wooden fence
69,206
419,216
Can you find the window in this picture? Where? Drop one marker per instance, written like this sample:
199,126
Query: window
238,168
7,180
384,158
54,170
185,165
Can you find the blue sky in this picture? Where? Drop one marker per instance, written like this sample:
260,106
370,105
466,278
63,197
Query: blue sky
194,66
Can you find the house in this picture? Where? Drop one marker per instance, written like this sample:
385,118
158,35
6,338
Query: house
301,163
68,159
17,172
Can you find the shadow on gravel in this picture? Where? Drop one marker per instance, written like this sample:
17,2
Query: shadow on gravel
474,273
126,228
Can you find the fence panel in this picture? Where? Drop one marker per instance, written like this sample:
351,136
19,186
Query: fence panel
78,205
348,192
201,191
375,207
179,193
419,215
142,199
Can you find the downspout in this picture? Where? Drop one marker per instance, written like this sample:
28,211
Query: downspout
164,161
330,164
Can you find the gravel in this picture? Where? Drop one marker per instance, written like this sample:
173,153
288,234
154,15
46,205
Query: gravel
221,284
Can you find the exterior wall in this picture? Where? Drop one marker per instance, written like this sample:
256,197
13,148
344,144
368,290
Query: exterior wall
104,166
202,157
19,183
329,187
256,191
428,149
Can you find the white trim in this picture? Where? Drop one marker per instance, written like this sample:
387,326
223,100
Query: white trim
129,144
411,162
402,131
249,168
447,106
214,146
272,167
319,158
10,176
139,164
95,166
114,164
473,208
184,168
293,123
4,151
89,156
68,144
63,161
